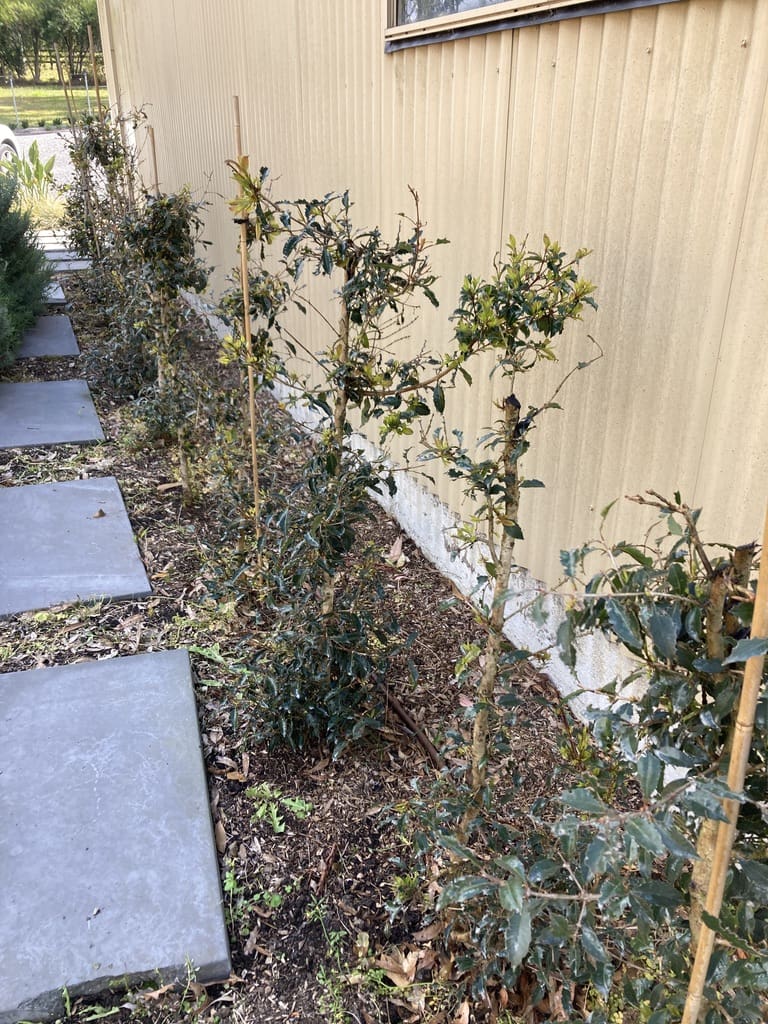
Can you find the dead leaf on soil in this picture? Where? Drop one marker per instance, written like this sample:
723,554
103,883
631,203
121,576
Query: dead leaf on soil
156,994
221,837
429,933
319,768
396,557
400,968
462,1017
252,946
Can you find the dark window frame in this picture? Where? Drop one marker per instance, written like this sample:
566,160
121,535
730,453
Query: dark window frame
485,23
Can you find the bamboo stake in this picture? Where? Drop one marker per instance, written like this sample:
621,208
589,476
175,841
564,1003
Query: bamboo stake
737,770
70,107
99,107
245,286
153,154
118,98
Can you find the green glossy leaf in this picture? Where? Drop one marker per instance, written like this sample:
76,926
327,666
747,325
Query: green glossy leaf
678,580
541,870
438,397
624,623
744,649
511,894
583,800
517,937
675,841
663,631
756,874
645,834
594,858
465,889
649,771
659,894
593,947
636,553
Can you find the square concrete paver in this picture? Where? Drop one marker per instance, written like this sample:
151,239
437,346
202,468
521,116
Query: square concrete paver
69,263
47,412
51,336
54,295
108,865
66,542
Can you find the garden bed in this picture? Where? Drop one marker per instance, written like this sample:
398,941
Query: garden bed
322,901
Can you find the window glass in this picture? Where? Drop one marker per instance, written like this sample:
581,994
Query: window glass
409,11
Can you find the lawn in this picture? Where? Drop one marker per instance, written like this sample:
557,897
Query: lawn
35,103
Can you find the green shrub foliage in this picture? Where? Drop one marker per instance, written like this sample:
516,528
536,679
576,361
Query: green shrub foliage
24,272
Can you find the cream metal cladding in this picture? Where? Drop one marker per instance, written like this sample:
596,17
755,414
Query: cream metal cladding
641,134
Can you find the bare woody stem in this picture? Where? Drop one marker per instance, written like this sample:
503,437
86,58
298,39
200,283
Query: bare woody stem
482,724
341,359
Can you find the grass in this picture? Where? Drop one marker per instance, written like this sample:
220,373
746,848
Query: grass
46,102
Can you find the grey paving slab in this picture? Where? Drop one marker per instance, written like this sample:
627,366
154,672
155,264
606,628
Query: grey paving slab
65,542
54,295
67,263
108,865
51,336
47,412
52,240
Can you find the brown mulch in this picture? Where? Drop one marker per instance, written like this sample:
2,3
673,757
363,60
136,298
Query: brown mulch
311,852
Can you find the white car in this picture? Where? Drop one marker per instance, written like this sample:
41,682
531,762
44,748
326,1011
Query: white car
8,145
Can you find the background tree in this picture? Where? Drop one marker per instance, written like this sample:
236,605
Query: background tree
29,29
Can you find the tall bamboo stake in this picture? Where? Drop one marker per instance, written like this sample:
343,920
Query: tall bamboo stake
153,154
118,98
70,106
95,74
737,770
245,287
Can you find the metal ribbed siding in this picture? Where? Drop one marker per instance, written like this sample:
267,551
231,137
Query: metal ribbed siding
641,134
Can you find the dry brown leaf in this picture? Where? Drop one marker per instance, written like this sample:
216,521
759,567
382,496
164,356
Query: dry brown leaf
396,556
252,946
157,993
462,1017
319,768
429,933
221,837
399,968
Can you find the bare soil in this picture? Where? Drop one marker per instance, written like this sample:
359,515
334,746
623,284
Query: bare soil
321,903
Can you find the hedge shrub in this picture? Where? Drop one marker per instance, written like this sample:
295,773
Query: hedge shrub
24,272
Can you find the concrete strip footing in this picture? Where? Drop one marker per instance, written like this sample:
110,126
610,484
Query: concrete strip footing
51,336
108,865
47,413
66,542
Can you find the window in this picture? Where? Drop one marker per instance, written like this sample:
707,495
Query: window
412,22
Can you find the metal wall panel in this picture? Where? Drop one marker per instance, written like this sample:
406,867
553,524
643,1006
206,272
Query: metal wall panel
640,134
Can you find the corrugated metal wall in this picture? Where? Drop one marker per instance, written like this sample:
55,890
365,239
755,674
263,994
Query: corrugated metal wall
641,134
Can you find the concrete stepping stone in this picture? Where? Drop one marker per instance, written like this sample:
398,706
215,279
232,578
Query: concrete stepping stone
68,263
46,413
108,865
51,240
51,336
65,542
54,295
